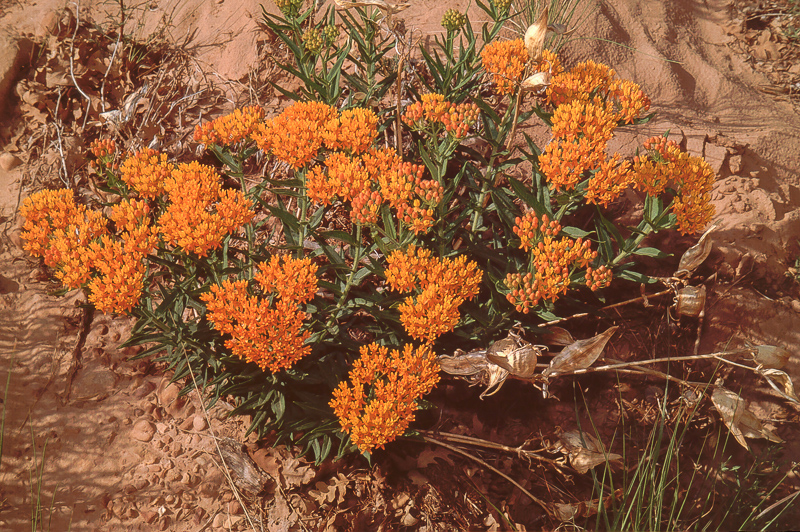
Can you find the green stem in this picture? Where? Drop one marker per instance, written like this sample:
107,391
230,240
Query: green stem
349,283
645,232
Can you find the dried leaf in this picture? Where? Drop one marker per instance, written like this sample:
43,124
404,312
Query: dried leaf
296,473
771,356
580,354
557,336
740,421
566,512
534,37
695,255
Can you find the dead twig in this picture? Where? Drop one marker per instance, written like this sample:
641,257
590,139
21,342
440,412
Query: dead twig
474,458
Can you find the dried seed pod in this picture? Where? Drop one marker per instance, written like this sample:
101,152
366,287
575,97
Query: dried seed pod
770,356
494,377
518,357
580,354
534,37
740,421
695,255
537,83
464,363
691,300
783,379
557,336
585,451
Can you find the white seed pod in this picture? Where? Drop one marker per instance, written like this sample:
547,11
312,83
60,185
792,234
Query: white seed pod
537,83
534,37
691,300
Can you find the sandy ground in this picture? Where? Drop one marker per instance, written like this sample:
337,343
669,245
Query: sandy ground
122,452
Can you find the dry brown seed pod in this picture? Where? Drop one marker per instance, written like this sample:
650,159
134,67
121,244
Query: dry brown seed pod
695,255
514,355
534,37
690,301
464,363
740,421
770,356
495,377
580,354
557,336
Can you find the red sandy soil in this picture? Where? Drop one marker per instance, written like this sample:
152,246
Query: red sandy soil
124,453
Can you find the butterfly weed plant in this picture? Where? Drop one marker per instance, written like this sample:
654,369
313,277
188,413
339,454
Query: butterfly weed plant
385,228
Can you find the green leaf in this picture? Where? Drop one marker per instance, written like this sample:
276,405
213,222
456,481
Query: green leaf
651,252
634,276
575,232
526,196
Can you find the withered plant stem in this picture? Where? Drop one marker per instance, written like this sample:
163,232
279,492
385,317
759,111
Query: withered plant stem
72,63
607,307
474,458
618,365
398,125
478,442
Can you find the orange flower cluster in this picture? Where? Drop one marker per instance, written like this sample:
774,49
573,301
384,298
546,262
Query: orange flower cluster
434,112
443,285
102,148
564,163
530,229
610,181
76,242
590,81
354,131
146,172
598,278
589,104
120,280
505,60
395,380
294,135
692,178
192,190
552,261
270,336
295,280
231,128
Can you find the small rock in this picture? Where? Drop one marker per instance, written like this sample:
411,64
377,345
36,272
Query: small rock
735,163
187,424
199,423
161,428
234,507
144,390
796,305
143,430
149,516
715,156
9,161
218,521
